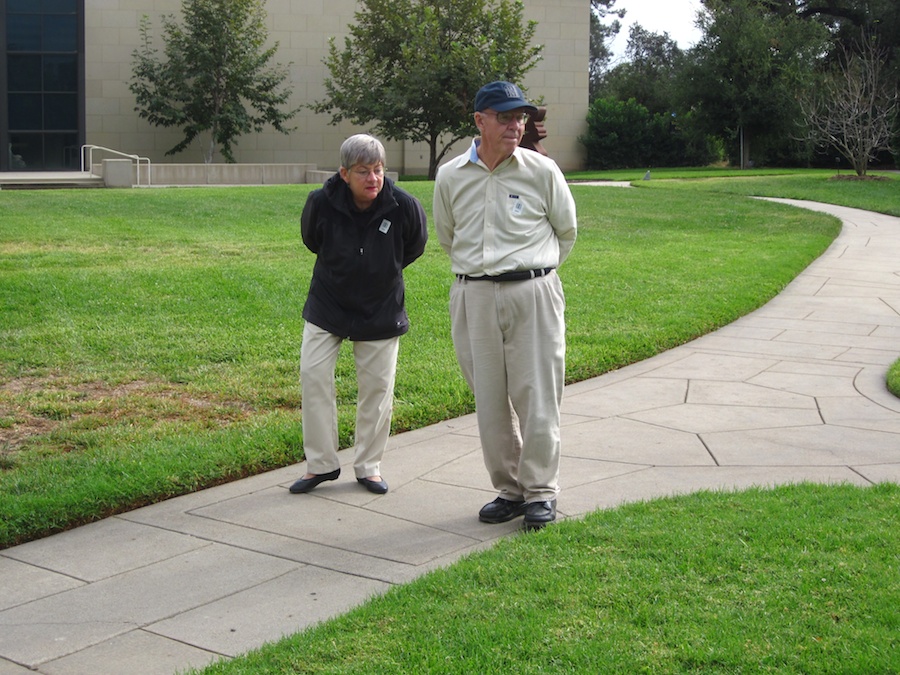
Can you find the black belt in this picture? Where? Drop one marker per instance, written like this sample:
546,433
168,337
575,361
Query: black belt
509,276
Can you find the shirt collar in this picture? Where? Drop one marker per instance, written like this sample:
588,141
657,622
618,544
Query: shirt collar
473,153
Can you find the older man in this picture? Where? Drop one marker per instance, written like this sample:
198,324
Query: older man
506,218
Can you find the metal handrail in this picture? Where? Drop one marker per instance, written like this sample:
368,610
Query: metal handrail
135,158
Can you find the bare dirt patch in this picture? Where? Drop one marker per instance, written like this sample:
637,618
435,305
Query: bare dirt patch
854,177
33,408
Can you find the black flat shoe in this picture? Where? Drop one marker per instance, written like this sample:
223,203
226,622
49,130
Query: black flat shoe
538,514
307,484
379,487
501,510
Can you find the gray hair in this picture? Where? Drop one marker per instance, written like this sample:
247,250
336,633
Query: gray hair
361,149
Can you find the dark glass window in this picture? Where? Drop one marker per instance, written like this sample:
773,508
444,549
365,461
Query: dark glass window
59,33
25,112
59,6
42,72
24,72
60,112
60,72
61,151
51,152
41,6
23,6
26,151
23,33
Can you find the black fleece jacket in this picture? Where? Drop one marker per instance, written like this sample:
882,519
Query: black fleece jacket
357,289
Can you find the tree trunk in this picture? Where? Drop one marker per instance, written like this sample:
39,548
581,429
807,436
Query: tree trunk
432,157
745,149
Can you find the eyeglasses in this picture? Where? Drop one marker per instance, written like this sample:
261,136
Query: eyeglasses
507,117
364,173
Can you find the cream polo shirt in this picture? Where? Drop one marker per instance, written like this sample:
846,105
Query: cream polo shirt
520,216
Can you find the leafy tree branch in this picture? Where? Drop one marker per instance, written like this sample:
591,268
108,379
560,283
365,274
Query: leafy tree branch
412,67
215,76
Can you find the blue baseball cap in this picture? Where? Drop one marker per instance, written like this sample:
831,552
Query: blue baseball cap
501,96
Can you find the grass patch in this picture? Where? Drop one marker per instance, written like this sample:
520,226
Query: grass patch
798,579
664,173
880,194
651,271
150,343
893,379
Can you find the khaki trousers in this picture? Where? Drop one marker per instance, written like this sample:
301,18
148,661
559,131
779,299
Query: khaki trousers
376,368
510,342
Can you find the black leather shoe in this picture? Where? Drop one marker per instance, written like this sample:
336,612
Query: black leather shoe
538,514
500,511
307,484
379,487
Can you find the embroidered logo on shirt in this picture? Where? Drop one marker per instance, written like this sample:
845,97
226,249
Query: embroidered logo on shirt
385,226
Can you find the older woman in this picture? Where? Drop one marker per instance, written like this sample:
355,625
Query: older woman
363,230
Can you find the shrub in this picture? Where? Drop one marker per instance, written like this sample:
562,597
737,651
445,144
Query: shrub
625,134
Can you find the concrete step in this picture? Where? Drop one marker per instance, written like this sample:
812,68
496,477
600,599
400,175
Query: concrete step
45,180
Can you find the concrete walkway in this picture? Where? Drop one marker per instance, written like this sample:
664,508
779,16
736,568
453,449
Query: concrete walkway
793,392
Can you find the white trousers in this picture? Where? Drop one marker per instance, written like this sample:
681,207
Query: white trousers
510,342
376,368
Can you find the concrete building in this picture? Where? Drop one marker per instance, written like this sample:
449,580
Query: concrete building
65,66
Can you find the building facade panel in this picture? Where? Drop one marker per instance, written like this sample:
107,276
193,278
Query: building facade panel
303,29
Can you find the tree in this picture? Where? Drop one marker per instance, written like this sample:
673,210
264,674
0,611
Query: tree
625,134
847,23
745,72
600,34
847,20
850,21
855,108
648,75
413,67
215,77
619,135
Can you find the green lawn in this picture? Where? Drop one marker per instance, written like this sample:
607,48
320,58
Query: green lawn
798,579
882,195
151,337
149,347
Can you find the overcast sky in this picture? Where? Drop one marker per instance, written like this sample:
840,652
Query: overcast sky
675,17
